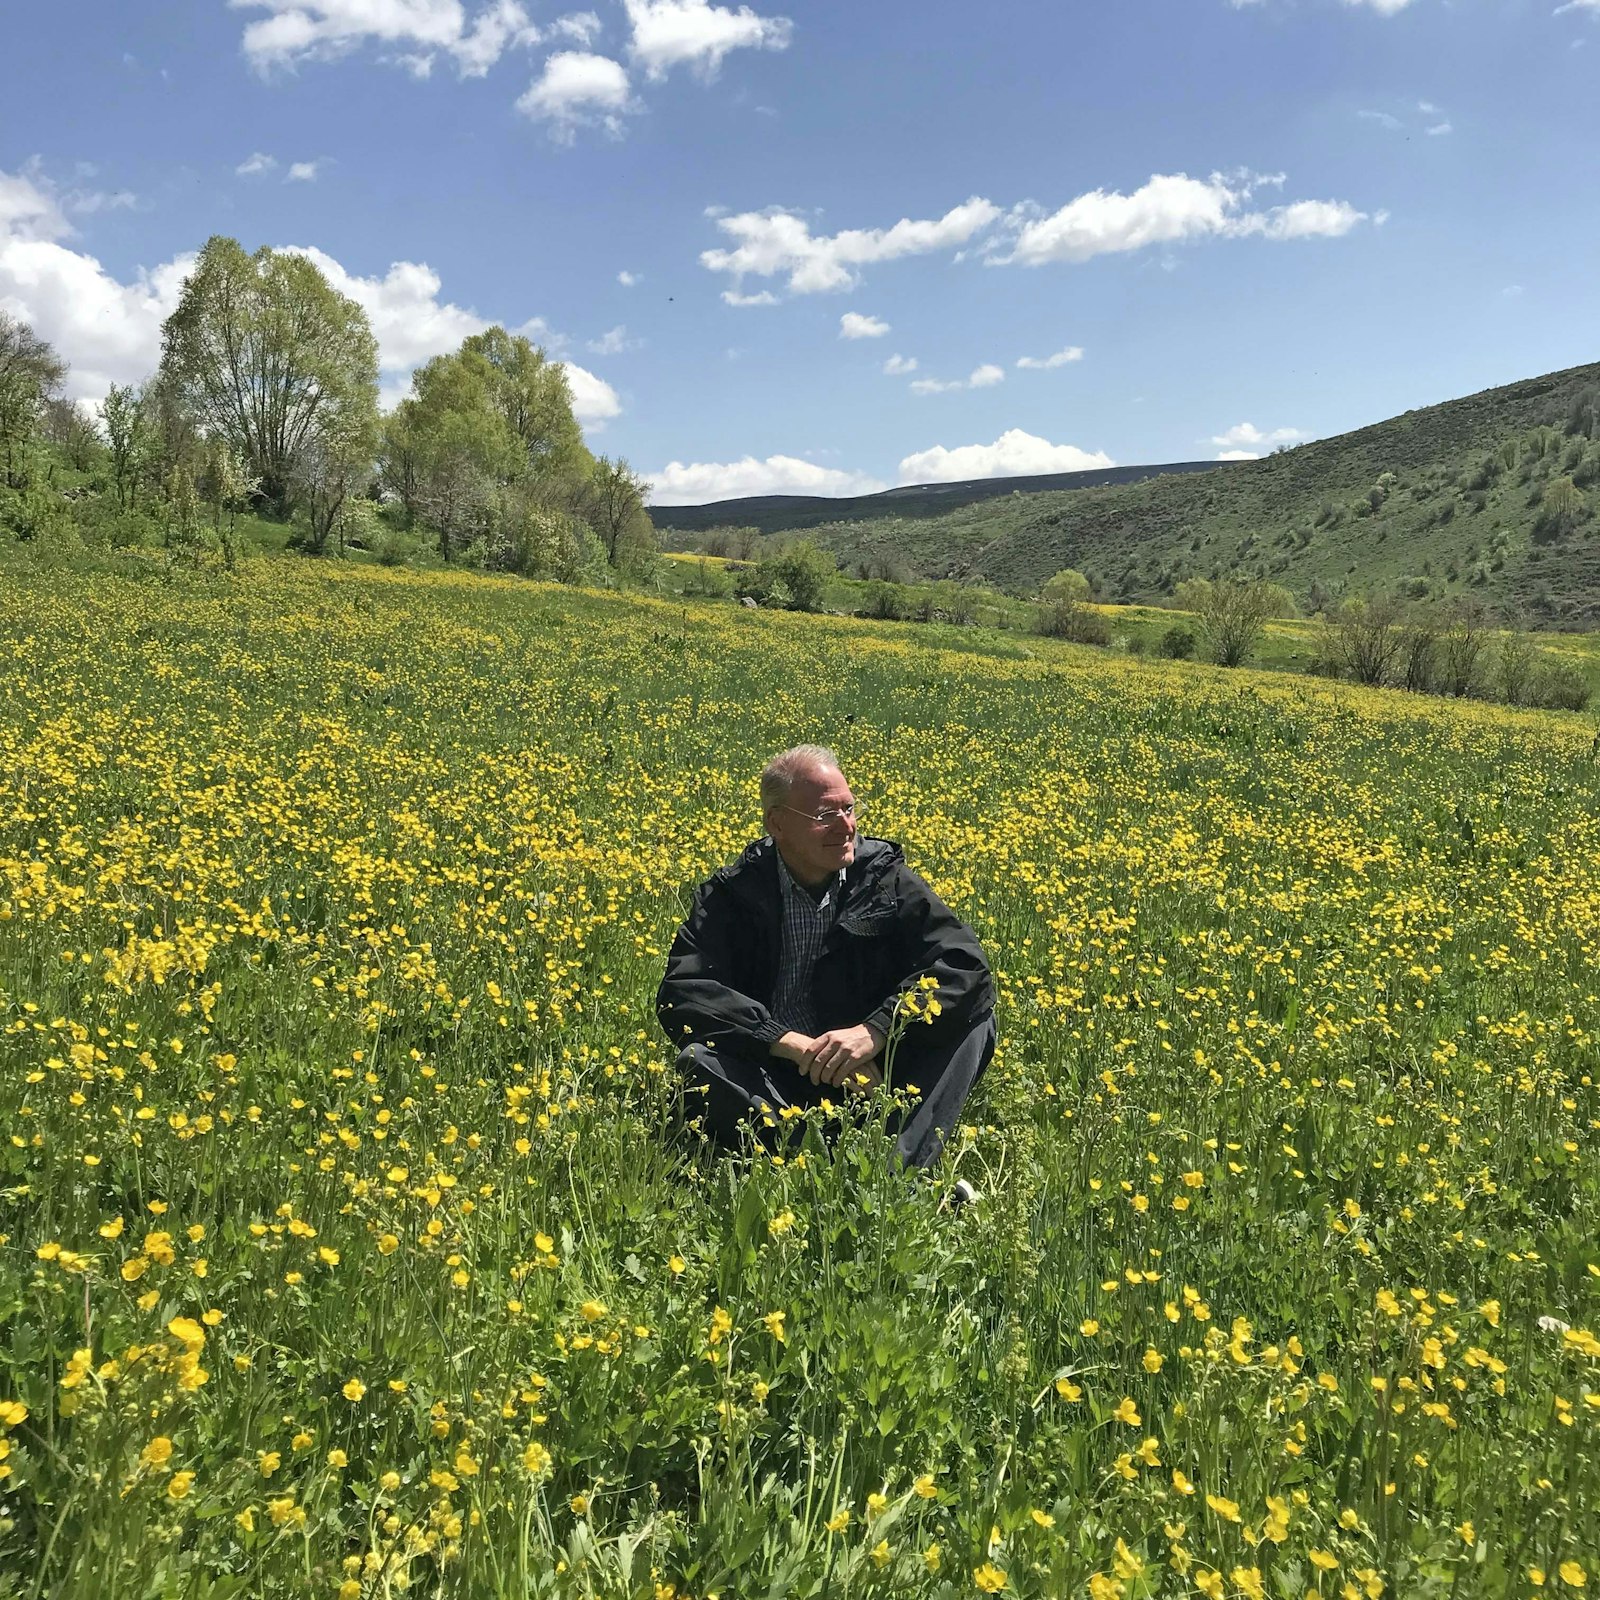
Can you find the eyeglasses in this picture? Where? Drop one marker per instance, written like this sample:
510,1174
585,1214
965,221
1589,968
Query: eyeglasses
828,815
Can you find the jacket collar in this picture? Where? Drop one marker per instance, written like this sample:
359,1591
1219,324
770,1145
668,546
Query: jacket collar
754,876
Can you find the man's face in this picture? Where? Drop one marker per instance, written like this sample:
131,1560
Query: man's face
814,851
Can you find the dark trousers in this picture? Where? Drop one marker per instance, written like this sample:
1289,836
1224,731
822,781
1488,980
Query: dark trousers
730,1093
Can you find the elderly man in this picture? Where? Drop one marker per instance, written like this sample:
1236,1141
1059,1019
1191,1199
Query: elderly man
783,984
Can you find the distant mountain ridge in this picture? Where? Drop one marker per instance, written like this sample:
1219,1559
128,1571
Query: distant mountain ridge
773,512
1494,495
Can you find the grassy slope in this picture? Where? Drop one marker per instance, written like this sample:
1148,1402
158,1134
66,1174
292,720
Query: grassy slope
1300,517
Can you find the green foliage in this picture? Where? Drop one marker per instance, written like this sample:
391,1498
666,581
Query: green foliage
802,571
1232,617
1178,643
263,353
1067,585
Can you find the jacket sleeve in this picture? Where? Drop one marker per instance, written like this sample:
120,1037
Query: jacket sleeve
697,1002
936,943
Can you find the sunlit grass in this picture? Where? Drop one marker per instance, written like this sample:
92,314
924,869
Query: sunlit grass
349,1251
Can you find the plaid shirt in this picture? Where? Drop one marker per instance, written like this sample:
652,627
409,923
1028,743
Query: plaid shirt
806,921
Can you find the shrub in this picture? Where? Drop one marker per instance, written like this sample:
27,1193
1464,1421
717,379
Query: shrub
1177,643
1560,686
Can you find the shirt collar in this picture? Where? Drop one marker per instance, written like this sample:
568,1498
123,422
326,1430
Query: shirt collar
792,886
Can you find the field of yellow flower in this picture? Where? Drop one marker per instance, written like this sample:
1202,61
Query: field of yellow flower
350,1248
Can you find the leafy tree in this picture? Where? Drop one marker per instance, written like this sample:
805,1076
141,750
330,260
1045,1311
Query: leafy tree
1418,658
804,570
1067,585
130,437
614,507
1369,633
1193,594
532,394
264,353
1517,656
1562,502
71,432
458,447
31,373
335,466
1233,616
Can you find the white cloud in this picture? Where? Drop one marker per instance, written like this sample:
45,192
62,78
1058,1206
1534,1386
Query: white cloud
1014,454
1061,358
1384,8
694,33
853,325
1238,455
594,401
318,30
774,242
302,172
984,377
110,332
1167,210
576,88
898,366
256,165
1384,119
1578,5
613,342
1440,128
627,279
762,297
691,483
582,27
1244,434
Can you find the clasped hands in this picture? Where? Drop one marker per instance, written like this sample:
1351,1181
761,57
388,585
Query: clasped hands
842,1056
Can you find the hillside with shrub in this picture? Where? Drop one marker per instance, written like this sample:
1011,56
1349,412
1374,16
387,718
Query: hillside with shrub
1492,496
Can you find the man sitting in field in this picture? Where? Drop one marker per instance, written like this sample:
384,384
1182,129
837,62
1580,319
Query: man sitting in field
784,982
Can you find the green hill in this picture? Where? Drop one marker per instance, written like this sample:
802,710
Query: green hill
1493,495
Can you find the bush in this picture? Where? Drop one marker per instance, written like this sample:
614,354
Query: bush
1560,686
1074,622
392,547
1177,644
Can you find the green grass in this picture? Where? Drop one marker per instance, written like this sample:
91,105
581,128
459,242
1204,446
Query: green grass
332,904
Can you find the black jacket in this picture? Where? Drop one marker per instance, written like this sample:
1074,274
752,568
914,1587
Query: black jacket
890,930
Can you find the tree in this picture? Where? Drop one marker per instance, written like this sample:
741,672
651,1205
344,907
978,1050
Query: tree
1461,646
614,507
129,438
532,394
1233,616
1193,594
1516,664
804,571
31,373
71,432
334,466
1418,656
1369,633
264,353
1562,503
1067,585
459,449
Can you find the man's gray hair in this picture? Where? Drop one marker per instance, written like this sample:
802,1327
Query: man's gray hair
779,774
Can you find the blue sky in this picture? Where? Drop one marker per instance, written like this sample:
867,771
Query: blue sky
1150,230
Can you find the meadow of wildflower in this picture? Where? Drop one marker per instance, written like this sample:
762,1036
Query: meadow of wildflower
350,1248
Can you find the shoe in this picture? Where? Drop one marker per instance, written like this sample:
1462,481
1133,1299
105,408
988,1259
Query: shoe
962,1194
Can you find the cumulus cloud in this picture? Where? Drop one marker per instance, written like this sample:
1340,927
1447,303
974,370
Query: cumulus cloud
1014,454
853,325
1238,455
577,88
582,27
294,31
627,279
1578,5
302,172
257,165
613,342
109,331
1169,209
897,366
1061,358
775,243
1245,435
696,34
691,483
762,297
984,377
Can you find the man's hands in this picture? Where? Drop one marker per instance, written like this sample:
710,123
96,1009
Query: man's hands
842,1056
